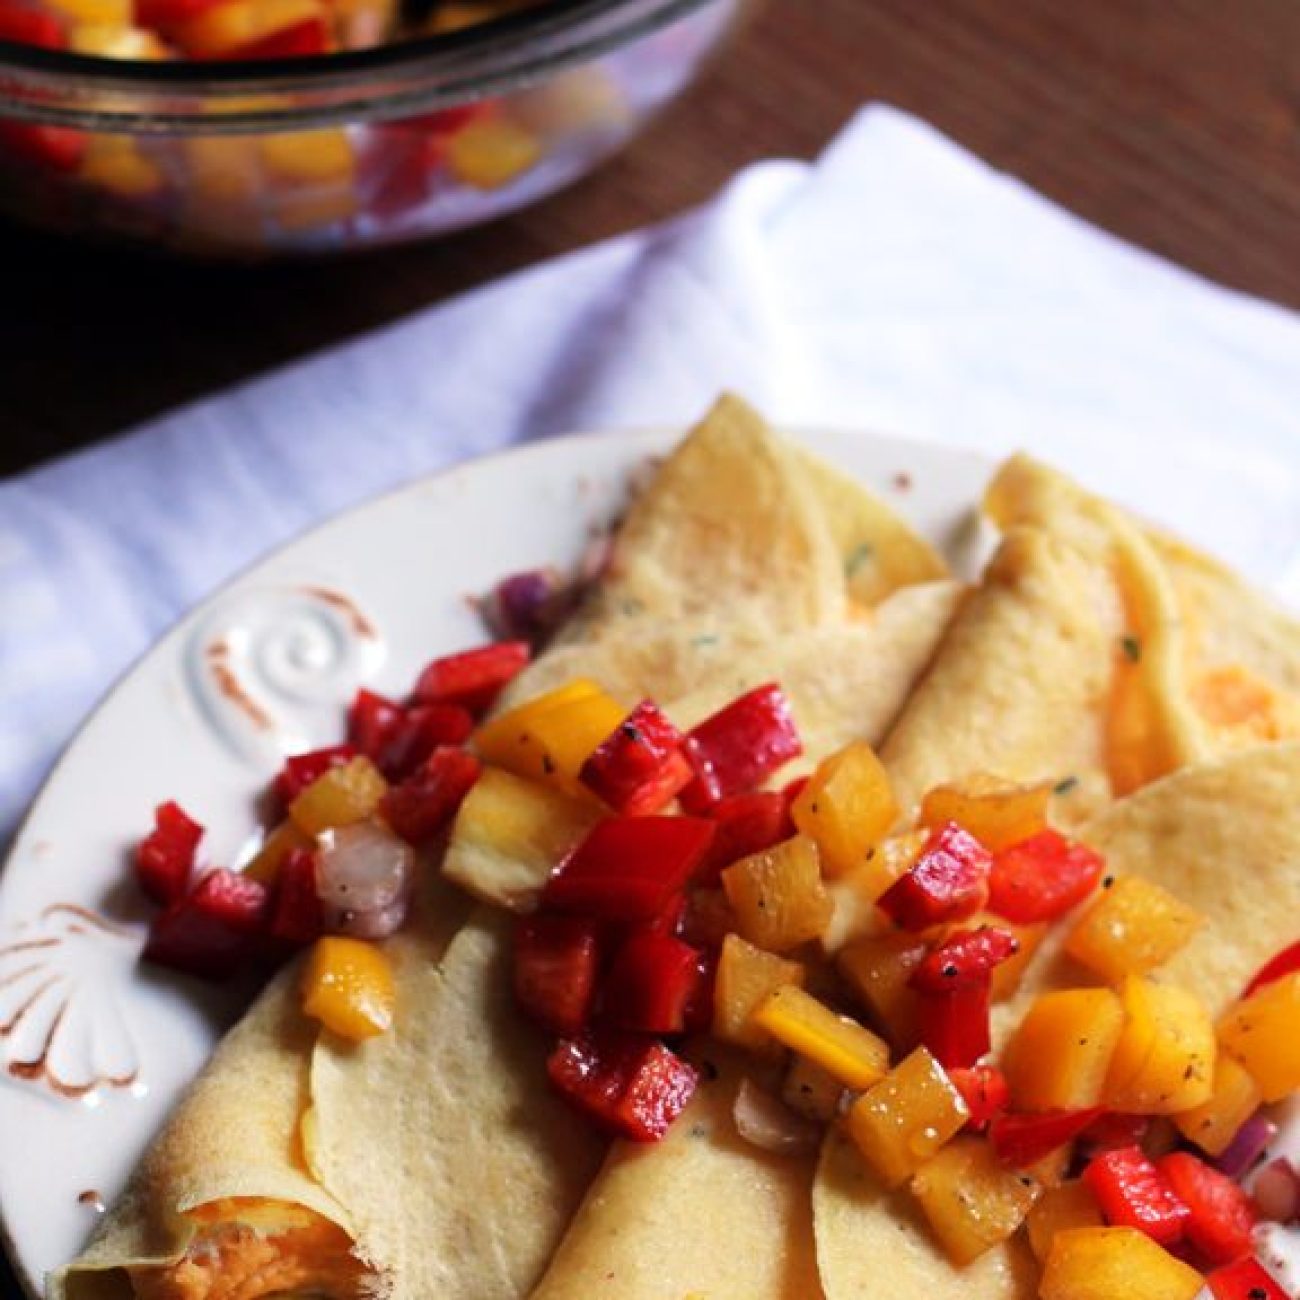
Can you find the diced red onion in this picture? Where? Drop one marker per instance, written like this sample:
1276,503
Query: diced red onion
765,1122
1277,1191
1246,1148
364,876
529,606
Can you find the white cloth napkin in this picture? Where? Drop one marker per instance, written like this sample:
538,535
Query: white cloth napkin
897,284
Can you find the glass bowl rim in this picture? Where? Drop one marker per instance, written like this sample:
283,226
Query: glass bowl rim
388,81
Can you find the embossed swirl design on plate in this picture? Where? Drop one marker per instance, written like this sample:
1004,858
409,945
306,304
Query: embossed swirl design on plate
269,667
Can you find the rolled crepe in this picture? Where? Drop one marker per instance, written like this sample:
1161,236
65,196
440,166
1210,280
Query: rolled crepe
1224,837
1092,650
701,1213
434,1161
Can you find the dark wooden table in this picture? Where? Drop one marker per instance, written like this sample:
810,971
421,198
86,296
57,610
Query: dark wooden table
1175,123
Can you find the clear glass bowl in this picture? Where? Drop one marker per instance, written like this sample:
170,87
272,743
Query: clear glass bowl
345,151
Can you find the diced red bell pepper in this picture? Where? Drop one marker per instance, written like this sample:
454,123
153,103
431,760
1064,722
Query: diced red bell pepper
311,36
629,868
164,859
640,768
985,1091
447,121
699,1008
1113,1129
297,917
25,25
1247,1279
417,732
162,14
556,963
474,678
372,721
1042,878
300,770
740,746
947,883
1220,1215
954,1025
1285,963
1023,1140
56,148
632,1086
793,789
747,824
1133,1193
651,983
966,958
212,931
424,803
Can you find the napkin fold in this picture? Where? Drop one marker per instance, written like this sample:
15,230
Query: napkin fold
897,284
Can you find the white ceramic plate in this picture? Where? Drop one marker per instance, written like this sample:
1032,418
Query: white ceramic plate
94,1047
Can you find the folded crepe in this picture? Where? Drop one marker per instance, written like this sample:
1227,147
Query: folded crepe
1096,649
433,1161
1104,655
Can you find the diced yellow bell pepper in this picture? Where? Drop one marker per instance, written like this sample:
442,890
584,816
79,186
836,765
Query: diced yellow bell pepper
893,857
1060,1053
1164,1060
549,738
115,163
1114,1264
1131,928
491,152
901,1122
220,28
509,836
107,13
339,797
347,985
847,807
265,864
223,169
811,1091
110,41
842,1047
1061,1209
778,895
1263,1033
746,978
972,1200
997,813
877,970
309,157
1236,1097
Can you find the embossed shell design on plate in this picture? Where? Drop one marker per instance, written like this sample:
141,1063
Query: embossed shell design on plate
61,1023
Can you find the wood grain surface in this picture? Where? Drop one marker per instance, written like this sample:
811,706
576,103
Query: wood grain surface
1175,123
